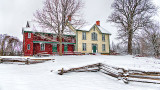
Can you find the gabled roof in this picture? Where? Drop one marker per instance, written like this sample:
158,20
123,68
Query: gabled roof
103,30
89,27
27,24
33,26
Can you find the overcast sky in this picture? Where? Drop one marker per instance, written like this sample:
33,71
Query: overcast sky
15,13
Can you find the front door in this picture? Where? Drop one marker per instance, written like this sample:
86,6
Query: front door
65,48
94,48
54,48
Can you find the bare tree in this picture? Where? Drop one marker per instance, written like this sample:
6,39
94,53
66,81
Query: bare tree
1,37
6,37
10,45
130,16
55,13
118,48
151,39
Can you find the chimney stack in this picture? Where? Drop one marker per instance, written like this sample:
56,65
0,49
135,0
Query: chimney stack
98,23
69,18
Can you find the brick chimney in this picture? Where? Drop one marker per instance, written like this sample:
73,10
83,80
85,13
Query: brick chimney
98,23
69,18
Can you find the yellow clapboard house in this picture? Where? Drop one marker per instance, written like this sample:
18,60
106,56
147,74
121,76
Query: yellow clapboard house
92,40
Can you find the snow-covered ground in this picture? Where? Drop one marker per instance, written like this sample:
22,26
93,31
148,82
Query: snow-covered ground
40,77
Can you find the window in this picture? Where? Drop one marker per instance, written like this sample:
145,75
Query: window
54,37
94,36
103,47
42,47
49,35
83,35
28,47
29,35
84,46
103,37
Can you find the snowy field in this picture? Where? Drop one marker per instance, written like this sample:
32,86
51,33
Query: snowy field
40,77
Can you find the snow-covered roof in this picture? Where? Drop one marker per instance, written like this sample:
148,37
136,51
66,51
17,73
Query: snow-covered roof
35,27
103,30
88,28
32,26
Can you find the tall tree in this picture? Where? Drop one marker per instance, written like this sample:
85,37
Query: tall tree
151,39
6,37
130,16
9,45
54,16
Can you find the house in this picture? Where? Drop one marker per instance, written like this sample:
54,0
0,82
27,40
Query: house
93,40
42,42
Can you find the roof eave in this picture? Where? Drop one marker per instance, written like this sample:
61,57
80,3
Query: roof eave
46,33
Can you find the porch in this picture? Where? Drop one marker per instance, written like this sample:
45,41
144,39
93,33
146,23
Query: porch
52,48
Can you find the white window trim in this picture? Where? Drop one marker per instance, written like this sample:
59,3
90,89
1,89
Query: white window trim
29,35
103,47
42,49
85,48
54,37
83,35
103,35
94,36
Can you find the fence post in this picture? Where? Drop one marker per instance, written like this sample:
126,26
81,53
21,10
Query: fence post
1,61
99,66
123,75
61,73
27,61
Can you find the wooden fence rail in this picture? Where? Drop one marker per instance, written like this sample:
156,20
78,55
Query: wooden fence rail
120,73
23,60
88,68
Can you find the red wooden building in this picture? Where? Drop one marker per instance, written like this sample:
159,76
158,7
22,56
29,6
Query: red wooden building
39,42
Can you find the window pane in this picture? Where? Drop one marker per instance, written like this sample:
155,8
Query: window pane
29,35
84,35
103,47
42,47
94,36
28,46
103,37
84,46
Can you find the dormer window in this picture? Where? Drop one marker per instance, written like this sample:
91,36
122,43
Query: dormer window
29,35
94,36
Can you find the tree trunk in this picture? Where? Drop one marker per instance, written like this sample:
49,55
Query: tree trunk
1,53
130,42
60,45
156,52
